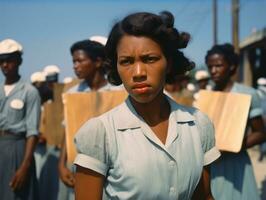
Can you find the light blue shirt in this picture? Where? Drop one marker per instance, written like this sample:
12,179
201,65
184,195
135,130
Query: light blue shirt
84,87
137,165
255,107
20,109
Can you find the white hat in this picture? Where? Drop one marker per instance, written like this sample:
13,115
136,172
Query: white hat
261,81
8,46
50,70
37,77
67,79
191,87
201,74
98,38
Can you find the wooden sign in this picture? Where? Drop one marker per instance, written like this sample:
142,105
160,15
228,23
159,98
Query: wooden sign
80,107
229,113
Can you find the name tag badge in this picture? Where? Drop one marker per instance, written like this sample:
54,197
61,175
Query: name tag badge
16,104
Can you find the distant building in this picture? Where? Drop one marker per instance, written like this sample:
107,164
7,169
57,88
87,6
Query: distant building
253,58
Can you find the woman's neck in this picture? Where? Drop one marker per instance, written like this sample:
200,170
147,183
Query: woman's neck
225,86
12,79
96,82
155,111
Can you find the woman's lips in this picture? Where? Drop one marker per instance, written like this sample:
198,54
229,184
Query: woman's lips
141,88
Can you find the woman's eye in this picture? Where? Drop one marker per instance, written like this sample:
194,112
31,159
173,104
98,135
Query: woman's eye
150,59
125,62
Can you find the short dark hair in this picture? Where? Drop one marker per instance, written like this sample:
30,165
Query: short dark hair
92,48
157,27
227,51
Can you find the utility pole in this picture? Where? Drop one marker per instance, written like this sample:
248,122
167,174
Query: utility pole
214,8
235,24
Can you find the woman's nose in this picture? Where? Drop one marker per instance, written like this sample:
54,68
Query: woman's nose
140,71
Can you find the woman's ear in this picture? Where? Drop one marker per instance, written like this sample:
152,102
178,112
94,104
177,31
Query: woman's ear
98,62
232,69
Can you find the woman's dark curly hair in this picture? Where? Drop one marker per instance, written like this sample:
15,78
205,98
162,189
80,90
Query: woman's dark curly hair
227,51
157,27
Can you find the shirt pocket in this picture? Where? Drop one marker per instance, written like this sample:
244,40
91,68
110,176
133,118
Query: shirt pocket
15,111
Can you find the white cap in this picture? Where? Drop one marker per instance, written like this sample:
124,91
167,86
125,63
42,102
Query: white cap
191,87
261,81
67,80
201,74
37,77
8,46
98,38
51,70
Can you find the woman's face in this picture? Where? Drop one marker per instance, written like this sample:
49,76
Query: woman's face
83,65
219,69
142,67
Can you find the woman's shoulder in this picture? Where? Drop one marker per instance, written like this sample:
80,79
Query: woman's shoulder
104,119
244,89
189,113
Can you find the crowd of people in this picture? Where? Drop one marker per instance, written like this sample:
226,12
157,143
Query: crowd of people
148,147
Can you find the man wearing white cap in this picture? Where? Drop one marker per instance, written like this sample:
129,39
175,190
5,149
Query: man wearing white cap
51,72
202,77
19,119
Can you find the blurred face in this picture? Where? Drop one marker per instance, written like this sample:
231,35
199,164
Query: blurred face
219,69
9,67
84,66
203,83
142,67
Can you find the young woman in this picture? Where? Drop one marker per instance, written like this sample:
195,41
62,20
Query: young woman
232,175
148,147
19,119
88,59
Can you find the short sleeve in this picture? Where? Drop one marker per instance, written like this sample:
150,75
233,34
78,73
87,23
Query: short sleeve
255,108
207,134
33,112
92,146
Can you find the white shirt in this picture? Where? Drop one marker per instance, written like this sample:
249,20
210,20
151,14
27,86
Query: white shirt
9,88
122,147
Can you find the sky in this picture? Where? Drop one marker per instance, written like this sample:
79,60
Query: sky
47,28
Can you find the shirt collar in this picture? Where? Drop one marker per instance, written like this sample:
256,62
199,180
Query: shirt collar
127,117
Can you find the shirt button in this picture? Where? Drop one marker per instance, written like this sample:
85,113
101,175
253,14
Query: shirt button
172,190
171,163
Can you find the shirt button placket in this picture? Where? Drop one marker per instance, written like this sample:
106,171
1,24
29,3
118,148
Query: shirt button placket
172,189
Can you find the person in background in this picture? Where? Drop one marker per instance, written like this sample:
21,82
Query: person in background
261,89
232,176
51,73
46,155
38,80
202,77
87,59
149,147
19,120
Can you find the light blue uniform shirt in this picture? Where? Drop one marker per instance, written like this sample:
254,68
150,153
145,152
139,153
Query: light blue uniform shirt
232,176
137,165
20,109
84,87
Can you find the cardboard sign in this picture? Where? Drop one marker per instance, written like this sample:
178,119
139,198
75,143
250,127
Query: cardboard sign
52,115
229,113
80,107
